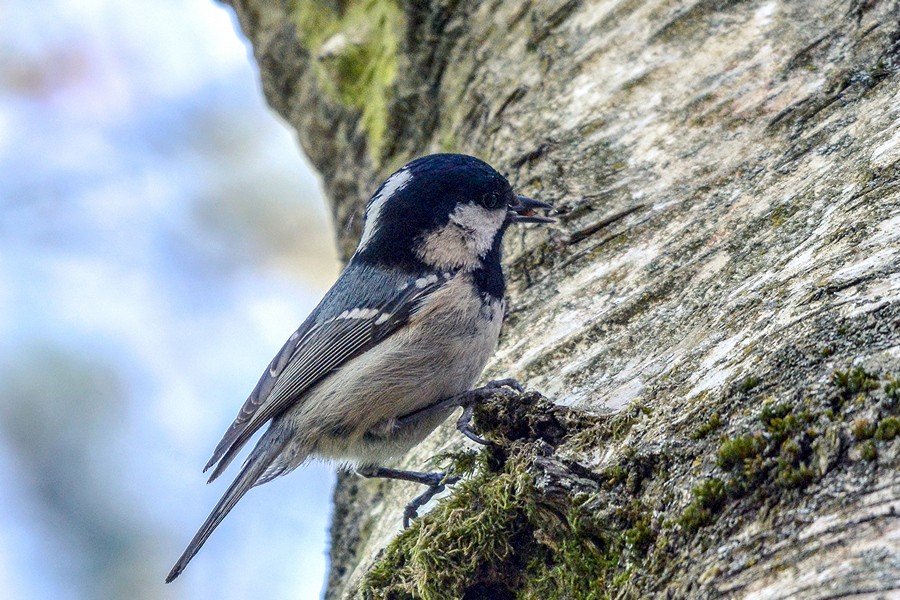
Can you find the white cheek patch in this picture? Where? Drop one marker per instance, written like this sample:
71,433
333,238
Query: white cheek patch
480,224
464,240
394,184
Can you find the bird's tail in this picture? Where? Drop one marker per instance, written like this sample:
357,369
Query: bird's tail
252,473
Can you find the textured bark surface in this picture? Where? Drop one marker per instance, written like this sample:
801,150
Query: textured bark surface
721,361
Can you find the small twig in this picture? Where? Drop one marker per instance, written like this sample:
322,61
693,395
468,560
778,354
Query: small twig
586,232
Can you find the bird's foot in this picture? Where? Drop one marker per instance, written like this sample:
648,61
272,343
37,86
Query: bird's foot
507,382
436,483
464,425
466,401
411,511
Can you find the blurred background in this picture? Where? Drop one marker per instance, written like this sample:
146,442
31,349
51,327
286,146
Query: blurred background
160,237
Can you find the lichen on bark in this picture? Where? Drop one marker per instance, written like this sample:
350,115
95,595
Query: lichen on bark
721,361
355,45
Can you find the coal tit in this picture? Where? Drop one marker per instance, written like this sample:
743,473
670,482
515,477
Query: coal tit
402,335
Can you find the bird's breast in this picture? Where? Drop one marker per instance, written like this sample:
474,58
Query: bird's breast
450,338
440,353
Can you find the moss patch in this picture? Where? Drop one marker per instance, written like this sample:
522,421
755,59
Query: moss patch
892,390
863,429
781,451
530,521
736,452
356,48
749,383
446,551
500,537
709,497
505,534
854,381
868,451
888,429
713,423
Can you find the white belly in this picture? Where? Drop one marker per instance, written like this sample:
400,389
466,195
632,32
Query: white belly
440,353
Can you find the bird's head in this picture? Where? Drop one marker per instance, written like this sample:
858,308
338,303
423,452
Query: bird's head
444,212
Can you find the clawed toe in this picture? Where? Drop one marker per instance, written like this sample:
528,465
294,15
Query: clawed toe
436,483
507,382
411,511
468,400
464,425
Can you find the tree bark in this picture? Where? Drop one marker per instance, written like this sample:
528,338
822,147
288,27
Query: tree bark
721,360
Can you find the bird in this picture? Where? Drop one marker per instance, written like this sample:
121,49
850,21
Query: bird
396,344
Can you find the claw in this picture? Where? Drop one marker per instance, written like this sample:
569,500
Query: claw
436,483
464,425
507,388
508,382
411,510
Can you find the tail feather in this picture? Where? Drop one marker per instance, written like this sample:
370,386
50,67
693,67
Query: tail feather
231,443
258,463
224,460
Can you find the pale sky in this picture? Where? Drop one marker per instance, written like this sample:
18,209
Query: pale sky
160,237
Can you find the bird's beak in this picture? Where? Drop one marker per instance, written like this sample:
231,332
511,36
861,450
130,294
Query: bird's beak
522,211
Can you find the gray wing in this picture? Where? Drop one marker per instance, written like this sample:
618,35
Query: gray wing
327,339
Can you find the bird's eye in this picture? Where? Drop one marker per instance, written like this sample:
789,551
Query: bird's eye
492,200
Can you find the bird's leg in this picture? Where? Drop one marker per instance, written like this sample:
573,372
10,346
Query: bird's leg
466,400
436,483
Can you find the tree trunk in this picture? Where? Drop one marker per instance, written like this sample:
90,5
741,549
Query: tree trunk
723,417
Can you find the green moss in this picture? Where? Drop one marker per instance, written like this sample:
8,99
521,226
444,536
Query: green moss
710,493
868,451
616,475
621,427
790,477
854,381
892,390
440,555
501,534
714,422
359,68
496,537
863,429
780,453
709,497
782,421
791,438
888,429
749,383
694,517
640,537
791,471
587,557
458,463
569,567
736,451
